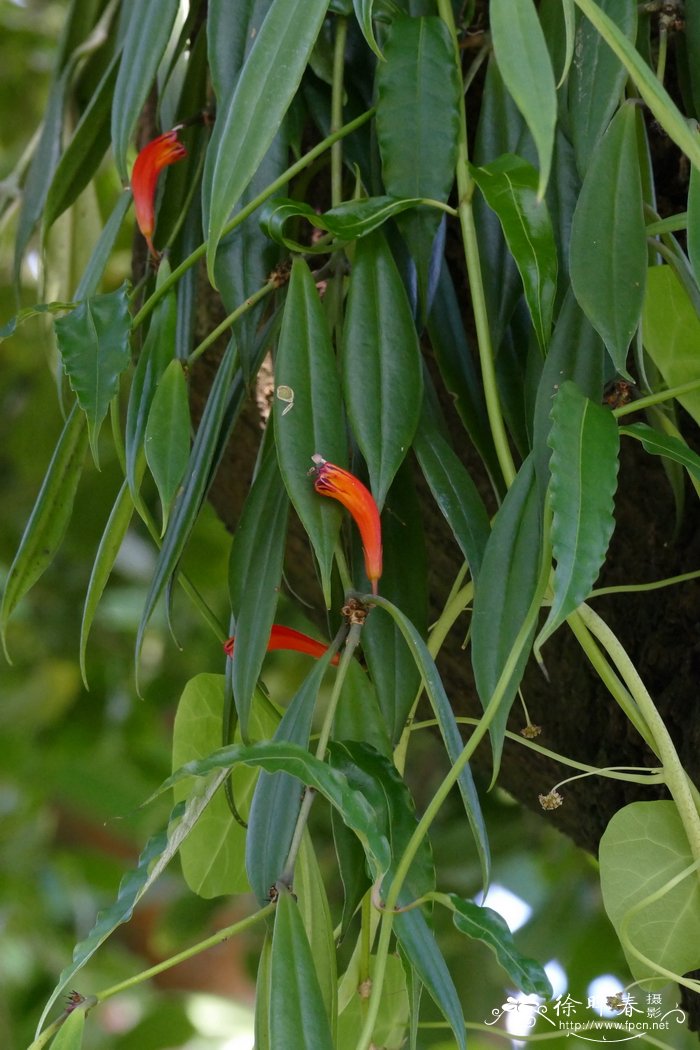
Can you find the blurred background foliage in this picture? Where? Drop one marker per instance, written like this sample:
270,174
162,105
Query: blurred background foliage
77,764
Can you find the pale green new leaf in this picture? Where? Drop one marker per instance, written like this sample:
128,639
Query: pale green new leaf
213,856
167,436
584,463
643,847
671,334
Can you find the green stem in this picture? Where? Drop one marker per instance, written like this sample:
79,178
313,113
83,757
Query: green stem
657,398
229,321
606,674
465,191
454,608
341,34
675,776
188,953
350,645
249,208
651,776
635,588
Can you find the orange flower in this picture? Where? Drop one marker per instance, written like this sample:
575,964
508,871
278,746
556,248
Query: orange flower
347,489
287,638
156,155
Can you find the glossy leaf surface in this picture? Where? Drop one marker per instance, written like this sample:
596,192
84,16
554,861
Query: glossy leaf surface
504,594
297,1013
509,185
306,364
381,363
417,79
246,126
146,39
608,239
277,797
487,925
585,442
524,63
448,728
255,571
597,79
660,444
454,491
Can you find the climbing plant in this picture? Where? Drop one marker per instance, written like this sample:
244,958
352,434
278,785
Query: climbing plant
430,246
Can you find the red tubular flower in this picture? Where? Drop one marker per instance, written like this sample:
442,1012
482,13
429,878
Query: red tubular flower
347,489
156,155
287,638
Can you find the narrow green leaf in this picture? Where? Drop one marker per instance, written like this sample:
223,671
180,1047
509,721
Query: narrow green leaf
457,368
381,363
146,39
312,902
363,14
28,312
277,798
94,345
648,84
225,398
41,169
485,924
448,727
509,185
102,252
111,541
643,847
418,79
314,424
608,239
504,595
349,221
212,857
501,129
275,757
49,519
660,444
393,1015
297,1013
167,436
376,777
156,855
70,1034
418,942
156,353
597,79
454,491
585,442
576,352
394,674
85,150
524,64
255,573
246,126
694,222
262,997
671,333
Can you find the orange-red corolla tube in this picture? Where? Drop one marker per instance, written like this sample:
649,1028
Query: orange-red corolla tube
155,155
340,484
287,638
